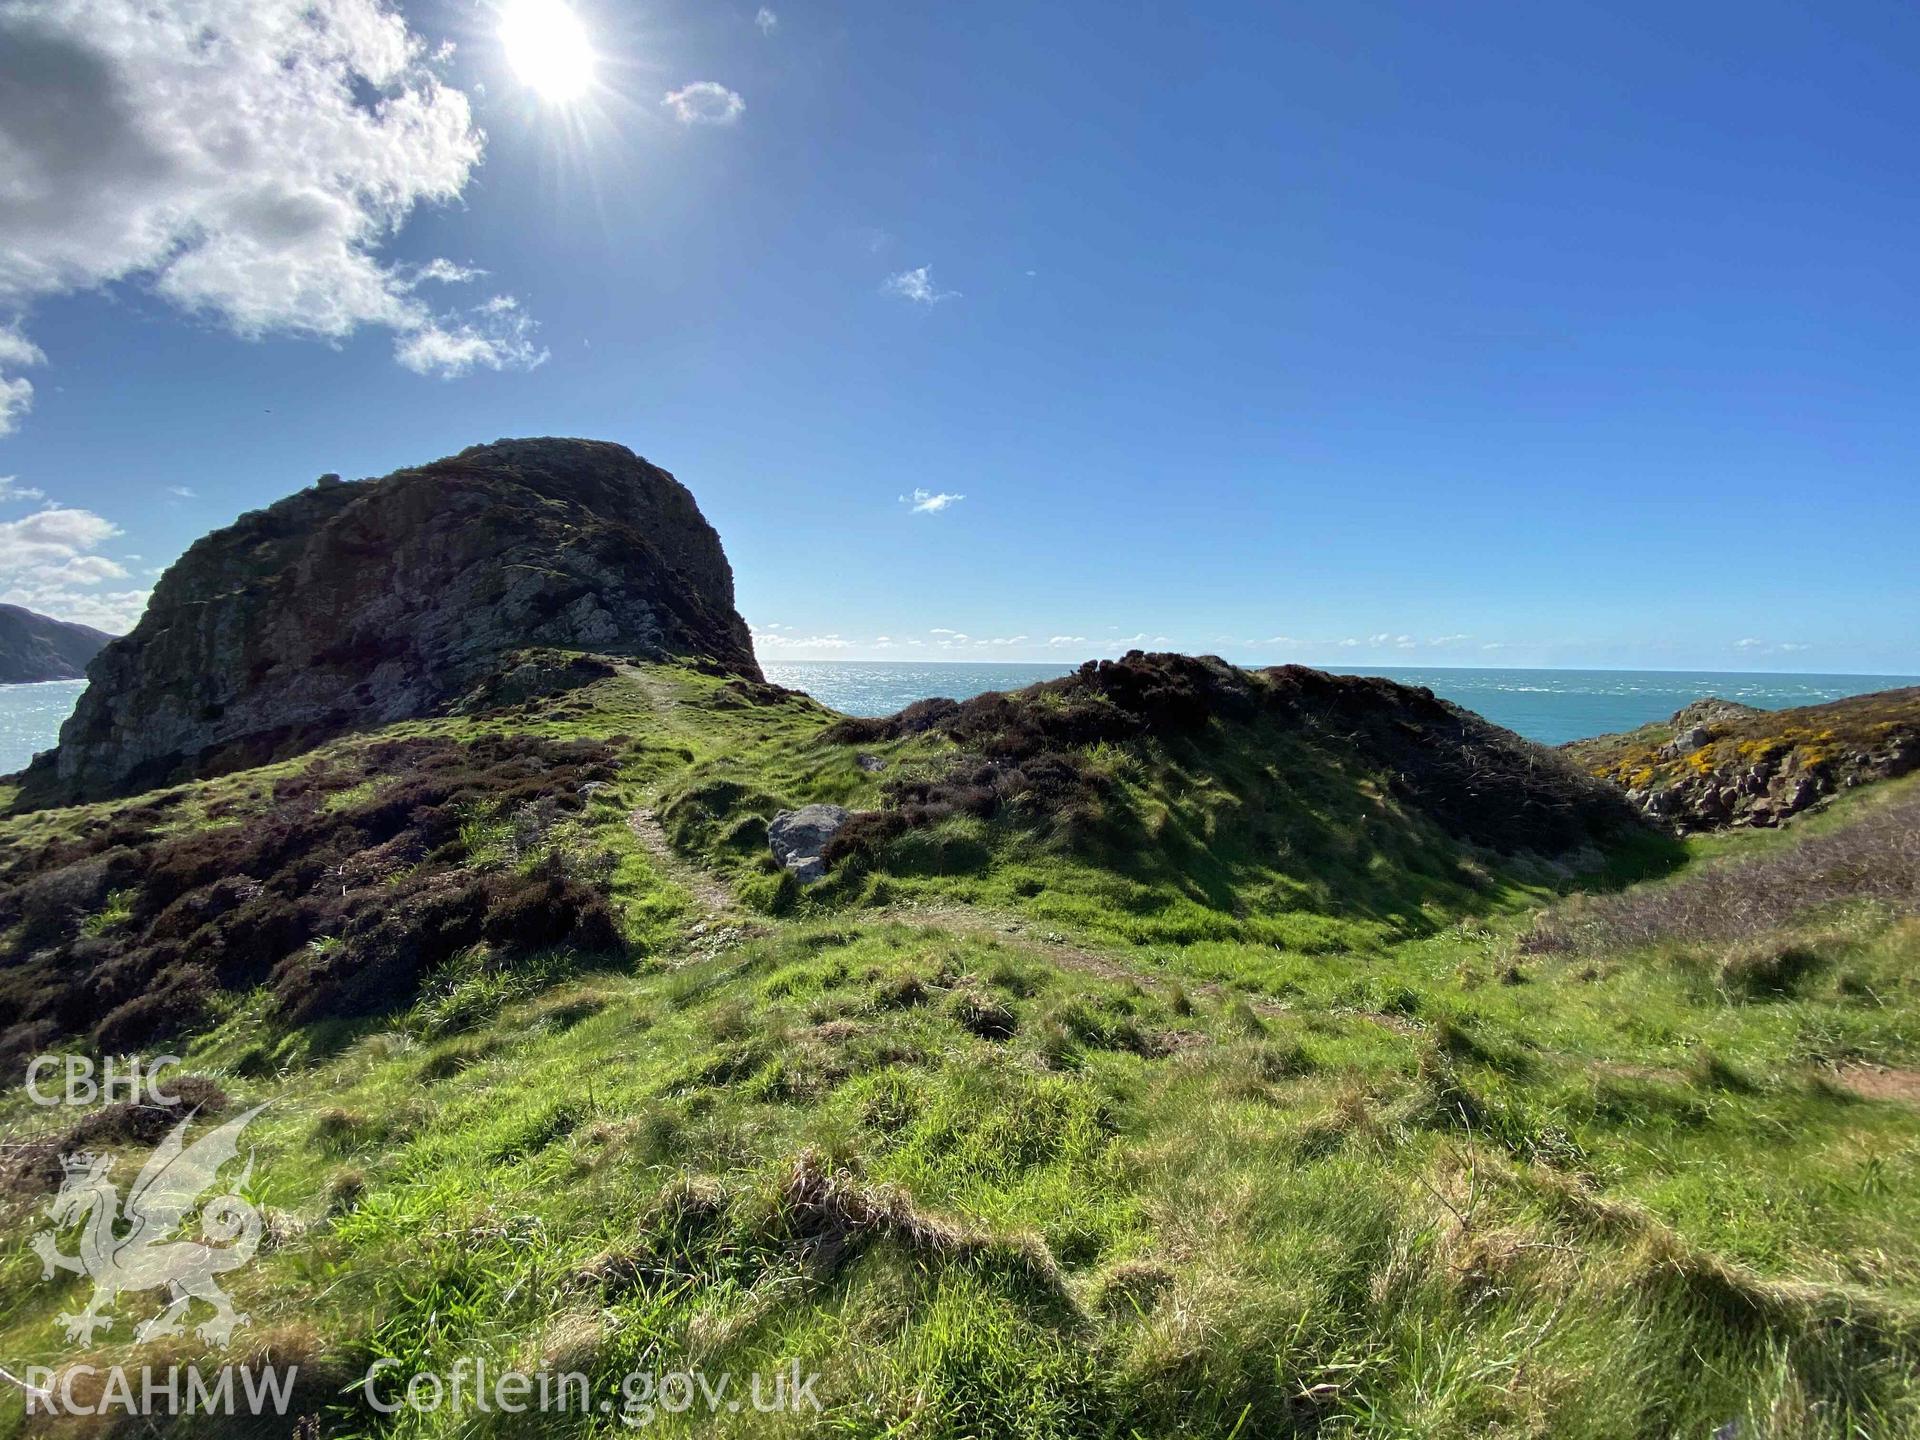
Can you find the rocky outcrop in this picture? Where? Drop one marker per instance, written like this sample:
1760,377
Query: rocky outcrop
36,647
1716,764
356,604
799,839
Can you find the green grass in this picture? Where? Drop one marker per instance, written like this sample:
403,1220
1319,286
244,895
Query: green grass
1227,1139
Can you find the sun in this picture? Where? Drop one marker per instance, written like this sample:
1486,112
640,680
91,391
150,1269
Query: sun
547,47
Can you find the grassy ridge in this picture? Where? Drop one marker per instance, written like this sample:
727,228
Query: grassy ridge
1004,1135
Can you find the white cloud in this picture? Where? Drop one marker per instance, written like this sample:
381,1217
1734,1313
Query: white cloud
184,492
1138,642
802,642
444,272
1443,641
16,399
776,636
767,21
16,352
1066,640
88,570
1752,645
245,159
917,285
115,611
47,564
926,502
497,336
705,102
50,536
12,489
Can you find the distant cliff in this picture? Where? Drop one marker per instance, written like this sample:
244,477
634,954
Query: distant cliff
38,647
355,604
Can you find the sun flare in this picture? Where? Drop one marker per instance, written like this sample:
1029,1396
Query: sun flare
547,47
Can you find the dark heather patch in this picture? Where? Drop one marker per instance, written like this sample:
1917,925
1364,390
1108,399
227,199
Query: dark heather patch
1024,750
382,884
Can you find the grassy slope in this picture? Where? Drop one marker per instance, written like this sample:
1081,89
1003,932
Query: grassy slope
1310,1146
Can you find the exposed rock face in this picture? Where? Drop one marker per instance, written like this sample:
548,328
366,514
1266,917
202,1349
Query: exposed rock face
360,603
1711,710
1717,764
37,647
799,838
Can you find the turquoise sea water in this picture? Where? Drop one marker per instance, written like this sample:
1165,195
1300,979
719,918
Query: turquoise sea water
1546,705
30,718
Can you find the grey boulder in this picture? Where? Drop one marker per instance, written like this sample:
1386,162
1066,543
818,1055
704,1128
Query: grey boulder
799,838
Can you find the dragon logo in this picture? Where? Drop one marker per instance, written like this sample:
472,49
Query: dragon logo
138,1249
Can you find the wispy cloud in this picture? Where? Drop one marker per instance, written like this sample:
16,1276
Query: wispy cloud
705,102
495,335
444,272
767,21
927,502
184,492
917,286
785,637
12,489
16,394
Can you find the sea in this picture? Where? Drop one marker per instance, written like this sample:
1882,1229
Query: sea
1550,706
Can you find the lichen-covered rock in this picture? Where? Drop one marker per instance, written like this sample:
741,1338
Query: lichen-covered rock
355,604
799,838
1717,764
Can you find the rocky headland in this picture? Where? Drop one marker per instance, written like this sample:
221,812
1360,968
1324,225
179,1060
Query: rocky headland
354,604
1717,764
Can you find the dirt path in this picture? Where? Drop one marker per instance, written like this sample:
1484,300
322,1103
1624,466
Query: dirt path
1881,1082
708,891
1019,933
658,692
725,922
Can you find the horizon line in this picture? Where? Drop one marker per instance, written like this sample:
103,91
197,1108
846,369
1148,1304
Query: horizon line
1361,669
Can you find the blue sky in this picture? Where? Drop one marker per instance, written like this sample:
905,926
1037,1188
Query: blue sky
1358,334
